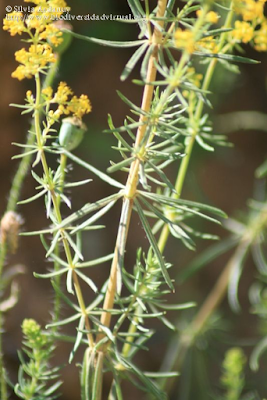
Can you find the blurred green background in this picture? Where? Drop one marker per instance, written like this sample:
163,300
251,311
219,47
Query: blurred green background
224,179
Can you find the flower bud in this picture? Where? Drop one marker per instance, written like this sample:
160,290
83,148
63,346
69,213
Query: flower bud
71,133
10,225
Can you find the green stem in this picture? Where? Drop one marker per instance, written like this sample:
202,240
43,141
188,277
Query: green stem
190,145
218,292
57,279
57,211
13,198
26,160
130,338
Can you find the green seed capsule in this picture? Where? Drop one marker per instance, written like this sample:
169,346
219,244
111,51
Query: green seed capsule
71,133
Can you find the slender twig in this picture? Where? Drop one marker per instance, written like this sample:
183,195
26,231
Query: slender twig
66,246
132,181
26,160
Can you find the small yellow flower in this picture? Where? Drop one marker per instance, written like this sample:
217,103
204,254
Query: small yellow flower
249,9
48,93
45,13
54,116
260,39
193,78
185,40
52,35
13,23
211,17
79,106
29,97
62,94
243,32
208,44
33,61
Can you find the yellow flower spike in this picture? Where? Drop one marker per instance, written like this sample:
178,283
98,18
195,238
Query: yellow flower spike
211,17
185,40
243,32
14,24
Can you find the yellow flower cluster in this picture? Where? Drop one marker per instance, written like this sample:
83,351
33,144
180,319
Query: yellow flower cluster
260,37
211,17
44,34
252,28
208,44
33,61
250,10
45,13
14,23
243,32
52,35
77,106
194,78
185,40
